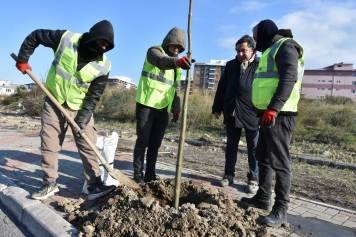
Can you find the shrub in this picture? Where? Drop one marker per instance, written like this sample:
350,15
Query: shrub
118,104
33,102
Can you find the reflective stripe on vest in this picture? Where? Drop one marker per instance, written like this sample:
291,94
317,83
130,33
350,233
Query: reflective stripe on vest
267,78
156,87
159,77
64,82
66,43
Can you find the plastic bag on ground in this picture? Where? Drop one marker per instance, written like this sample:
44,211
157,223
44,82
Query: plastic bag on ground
107,146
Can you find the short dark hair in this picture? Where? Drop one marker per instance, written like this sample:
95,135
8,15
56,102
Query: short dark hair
248,39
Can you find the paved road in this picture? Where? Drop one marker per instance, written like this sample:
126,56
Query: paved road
10,226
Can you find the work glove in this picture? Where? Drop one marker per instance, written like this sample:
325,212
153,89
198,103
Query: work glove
175,116
183,63
269,117
23,66
81,129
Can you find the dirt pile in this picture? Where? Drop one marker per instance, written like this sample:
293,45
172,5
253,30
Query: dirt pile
149,212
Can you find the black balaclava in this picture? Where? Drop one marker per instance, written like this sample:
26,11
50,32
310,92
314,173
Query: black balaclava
101,30
266,30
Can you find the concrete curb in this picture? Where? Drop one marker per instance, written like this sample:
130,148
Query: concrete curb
37,217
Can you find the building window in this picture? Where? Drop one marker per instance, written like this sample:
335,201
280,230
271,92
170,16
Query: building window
322,80
8,90
329,89
330,80
353,91
353,82
338,81
319,89
322,89
318,80
339,73
354,74
337,89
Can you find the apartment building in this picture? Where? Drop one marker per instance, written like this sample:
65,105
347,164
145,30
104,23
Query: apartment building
206,76
7,87
338,79
121,82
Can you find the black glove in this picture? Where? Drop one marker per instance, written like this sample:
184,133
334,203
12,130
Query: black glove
175,116
81,128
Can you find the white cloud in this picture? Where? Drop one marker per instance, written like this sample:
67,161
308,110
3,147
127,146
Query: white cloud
326,32
227,44
249,6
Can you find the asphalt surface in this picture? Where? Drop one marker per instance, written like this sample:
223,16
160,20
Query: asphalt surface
10,226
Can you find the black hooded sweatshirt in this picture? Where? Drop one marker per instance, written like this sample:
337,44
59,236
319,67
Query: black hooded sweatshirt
88,51
286,61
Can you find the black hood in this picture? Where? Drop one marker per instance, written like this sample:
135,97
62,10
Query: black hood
101,30
266,30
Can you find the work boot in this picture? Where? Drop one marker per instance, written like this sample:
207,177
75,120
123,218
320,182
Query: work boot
257,202
252,186
275,218
227,180
48,189
139,179
98,189
151,177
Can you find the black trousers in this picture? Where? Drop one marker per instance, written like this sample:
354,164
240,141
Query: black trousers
272,154
150,128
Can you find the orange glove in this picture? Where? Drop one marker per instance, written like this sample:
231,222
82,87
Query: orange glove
184,63
269,117
175,116
23,66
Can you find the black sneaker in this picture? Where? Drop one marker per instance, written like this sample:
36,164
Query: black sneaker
98,190
139,179
258,202
275,218
48,189
151,177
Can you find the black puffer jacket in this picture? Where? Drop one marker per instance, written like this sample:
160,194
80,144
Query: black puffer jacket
52,38
234,92
175,36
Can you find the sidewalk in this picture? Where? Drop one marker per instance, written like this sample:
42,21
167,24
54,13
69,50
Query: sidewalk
21,175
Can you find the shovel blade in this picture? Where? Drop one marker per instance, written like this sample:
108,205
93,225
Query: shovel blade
124,179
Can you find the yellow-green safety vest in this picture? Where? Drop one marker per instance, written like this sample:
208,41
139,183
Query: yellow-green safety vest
266,80
64,82
157,87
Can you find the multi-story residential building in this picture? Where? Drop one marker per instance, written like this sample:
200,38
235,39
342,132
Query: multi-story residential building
121,82
335,80
207,75
8,87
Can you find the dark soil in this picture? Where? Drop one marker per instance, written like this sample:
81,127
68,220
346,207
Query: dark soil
149,212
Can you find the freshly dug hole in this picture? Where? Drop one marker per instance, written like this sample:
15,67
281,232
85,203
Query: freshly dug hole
128,212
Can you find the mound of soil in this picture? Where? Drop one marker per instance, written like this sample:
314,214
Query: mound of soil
150,212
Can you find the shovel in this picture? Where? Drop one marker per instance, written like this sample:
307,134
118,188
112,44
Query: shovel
115,173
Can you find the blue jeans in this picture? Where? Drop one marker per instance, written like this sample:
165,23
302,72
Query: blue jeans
233,137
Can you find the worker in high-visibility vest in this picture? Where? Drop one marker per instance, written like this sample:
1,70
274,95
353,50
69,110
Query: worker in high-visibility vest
275,95
76,79
156,97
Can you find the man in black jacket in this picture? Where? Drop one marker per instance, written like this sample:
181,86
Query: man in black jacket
275,94
233,98
77,79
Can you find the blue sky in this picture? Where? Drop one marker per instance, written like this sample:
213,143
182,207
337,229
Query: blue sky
325,28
